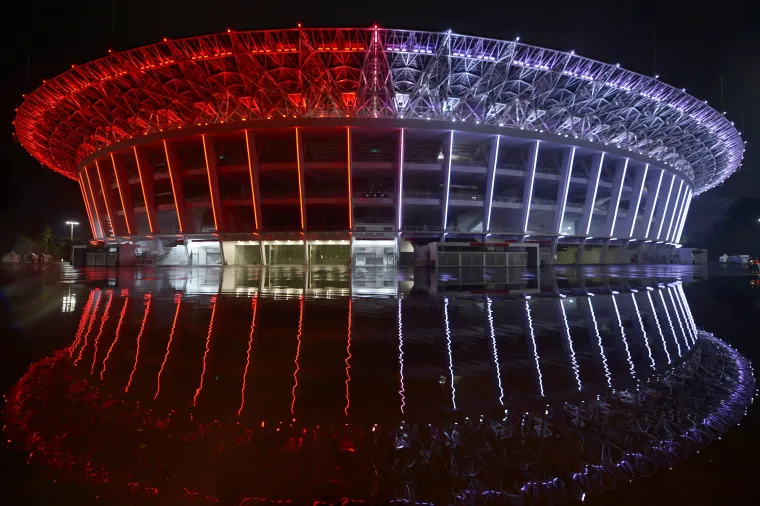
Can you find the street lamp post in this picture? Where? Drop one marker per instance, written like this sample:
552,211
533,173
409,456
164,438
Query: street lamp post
72,224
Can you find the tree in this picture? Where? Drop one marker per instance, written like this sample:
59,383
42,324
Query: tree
46,241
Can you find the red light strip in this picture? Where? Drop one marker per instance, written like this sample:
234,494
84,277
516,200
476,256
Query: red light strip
205,354
105,198
350,194
103,321
89,328
210,185
298,354
174,191
87,207
116,336
94,204
254,304
348,357
178,300
300,183
139,338
121,195
250,172
145,195
82,323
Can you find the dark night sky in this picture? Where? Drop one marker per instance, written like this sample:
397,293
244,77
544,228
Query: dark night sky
696,44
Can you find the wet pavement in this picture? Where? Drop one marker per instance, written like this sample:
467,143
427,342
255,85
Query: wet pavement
249,386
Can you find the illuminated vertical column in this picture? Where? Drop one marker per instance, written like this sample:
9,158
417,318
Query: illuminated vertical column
349,154
651,204
87,207
493,158
109,198
617,191
673,232
564,187
178,191
683,218
530,176
97,213
125,195
448,151
212,171
663,210
400,196
145,171
633,207
591,190
253,172
674,212
299,166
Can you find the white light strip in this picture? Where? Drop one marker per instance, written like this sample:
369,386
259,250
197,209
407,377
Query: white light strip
495,351
690,333
531,180
678,317
674,229
493,180
574,361
451,358
643,330
593,196
599,340
448,182
683,219
401,355
617,201
535,349
659,328
400,178
565,190
625,340
670,321
654,204
676,206
638,201
665,210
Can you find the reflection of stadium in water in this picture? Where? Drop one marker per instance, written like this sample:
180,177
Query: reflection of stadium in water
275,386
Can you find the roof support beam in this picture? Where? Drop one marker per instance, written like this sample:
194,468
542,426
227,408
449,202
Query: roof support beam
99,212
88,207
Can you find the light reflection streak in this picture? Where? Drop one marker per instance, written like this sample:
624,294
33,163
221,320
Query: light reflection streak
298,354
451,357
495,351
401,356
686,319
678,317
178,300
254,307
348,357
103,321
148,300
205,353
117,334
688,308
82,323
535,349
659,328
622,334
576,369
89,327
643,330
599,340
670,322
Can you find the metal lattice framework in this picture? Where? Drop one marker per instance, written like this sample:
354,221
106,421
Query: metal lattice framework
371,72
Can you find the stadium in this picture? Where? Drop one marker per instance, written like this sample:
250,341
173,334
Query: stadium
369,145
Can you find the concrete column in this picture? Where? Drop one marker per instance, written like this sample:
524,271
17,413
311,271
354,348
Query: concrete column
605,250
581,248
650,205
493,156
633,209
178,191
301,187
617,192
530,176
447,151
125,192
212,171
553,250
659,215
145,171
253,171
564,186
591,190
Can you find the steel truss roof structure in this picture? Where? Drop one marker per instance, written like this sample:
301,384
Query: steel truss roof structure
372,73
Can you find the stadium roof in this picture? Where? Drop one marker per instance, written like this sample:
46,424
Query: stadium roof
372,73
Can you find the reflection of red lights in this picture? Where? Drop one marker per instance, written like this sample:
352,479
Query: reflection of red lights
254,304
348,358
103,321
298,353
82,323
205,354
89,327
139,338
117,333
178,300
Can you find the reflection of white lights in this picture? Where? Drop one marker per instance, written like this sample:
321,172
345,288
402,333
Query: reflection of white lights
625,340
678,317
670,322
643,330
657,321
601,348
451,358
495,351
401,356
688,309
576,369
535,349
68,303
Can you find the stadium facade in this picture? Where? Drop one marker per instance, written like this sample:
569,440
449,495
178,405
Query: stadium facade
323,145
